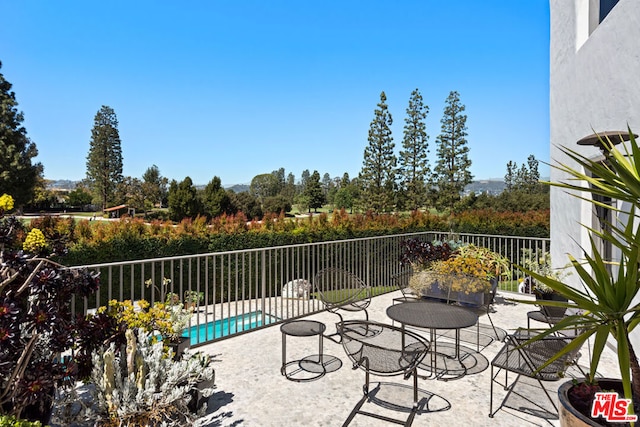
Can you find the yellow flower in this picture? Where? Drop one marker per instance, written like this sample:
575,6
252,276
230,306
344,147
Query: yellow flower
35,241
6,202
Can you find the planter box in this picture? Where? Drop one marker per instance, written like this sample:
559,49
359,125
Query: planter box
436,286
476,299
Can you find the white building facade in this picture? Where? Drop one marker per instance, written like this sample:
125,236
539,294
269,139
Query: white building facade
594,87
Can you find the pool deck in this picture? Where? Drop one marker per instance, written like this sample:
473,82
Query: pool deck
250,391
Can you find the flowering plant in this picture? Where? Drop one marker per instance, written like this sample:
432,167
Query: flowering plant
168,320
539,262
36,324
421,254
470,269
6,203
34,242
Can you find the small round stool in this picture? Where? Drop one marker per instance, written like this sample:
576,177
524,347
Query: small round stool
310,364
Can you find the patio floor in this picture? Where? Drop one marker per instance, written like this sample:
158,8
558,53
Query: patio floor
250,391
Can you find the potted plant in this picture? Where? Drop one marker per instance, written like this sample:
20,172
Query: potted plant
605,307
192,299
540,263
469,272
419,255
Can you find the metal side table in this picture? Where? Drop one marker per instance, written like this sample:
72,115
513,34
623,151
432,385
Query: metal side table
313,364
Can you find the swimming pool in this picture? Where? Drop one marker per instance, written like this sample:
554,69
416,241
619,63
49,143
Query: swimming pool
227,326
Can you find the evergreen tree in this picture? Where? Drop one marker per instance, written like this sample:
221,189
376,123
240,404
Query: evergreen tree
215,200
183,200
414,167
510,176
18,176
526,179
452,169
313,194
246,203
289,191
104,161
304,178
154,187
377,177
533,175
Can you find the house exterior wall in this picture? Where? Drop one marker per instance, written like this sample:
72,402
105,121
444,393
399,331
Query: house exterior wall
594,86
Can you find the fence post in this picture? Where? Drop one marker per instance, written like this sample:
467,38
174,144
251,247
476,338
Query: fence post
263,268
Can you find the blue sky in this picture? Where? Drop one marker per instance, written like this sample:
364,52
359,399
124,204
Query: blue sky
238,88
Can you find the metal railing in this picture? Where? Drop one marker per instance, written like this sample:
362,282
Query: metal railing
248,289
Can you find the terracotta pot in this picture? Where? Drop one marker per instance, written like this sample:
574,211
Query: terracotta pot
572,417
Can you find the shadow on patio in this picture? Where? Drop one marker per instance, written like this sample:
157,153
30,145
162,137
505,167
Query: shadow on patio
252,392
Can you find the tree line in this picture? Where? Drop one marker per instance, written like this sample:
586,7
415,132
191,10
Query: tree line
386,182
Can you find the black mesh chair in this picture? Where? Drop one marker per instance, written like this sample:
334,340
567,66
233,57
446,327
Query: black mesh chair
486,308
525,359
383,350
401,281
340,290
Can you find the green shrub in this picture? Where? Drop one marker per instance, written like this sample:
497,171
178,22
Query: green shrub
12,421
131,239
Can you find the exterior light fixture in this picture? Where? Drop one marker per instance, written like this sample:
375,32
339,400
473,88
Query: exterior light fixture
616,137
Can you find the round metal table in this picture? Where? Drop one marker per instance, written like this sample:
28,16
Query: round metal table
312,364
434,315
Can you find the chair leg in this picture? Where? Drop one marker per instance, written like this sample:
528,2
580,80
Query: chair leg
336,333
355,411
491,394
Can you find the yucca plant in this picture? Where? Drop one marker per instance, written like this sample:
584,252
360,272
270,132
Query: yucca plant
606,303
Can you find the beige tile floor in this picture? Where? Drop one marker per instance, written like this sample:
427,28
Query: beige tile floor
252,392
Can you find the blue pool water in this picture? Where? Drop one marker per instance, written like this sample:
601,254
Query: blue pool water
228,326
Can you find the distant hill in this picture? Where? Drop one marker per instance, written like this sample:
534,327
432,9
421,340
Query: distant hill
490,186
238,188
62,184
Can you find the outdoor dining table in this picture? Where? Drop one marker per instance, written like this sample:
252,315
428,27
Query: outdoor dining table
433,316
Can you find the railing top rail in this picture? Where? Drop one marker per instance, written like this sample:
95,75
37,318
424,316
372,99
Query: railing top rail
272,248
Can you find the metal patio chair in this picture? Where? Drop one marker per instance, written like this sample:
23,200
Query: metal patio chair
401,281
340,290
383,350
525,359
486,308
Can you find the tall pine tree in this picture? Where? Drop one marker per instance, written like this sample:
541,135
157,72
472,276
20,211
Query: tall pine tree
452,169
18,176
414,166
313,194
377,177
104,161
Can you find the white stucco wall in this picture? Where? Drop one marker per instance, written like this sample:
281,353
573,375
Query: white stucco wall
594,86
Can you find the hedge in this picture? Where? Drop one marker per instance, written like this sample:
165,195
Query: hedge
130,239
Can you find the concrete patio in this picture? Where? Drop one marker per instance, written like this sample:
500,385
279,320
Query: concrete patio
252,392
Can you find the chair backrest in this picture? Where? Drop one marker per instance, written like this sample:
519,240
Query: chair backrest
492,294
528,358
340,289
401,281
382,349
